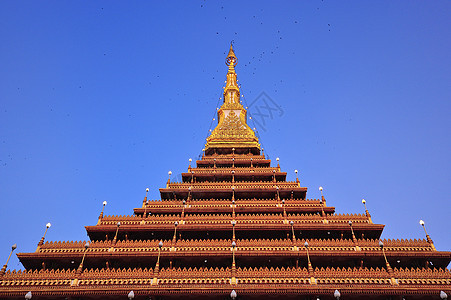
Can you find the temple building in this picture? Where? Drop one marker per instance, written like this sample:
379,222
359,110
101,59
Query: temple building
234,227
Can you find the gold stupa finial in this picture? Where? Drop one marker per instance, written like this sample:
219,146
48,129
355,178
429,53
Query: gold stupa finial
232,131
231,59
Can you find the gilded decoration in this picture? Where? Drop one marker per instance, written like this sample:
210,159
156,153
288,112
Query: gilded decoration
232,132
232,128
232,105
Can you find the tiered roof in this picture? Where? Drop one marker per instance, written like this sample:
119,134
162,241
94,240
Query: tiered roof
233,223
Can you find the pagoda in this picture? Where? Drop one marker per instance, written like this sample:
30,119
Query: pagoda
234,227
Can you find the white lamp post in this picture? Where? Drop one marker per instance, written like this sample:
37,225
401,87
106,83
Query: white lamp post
3,270
428,238
103,207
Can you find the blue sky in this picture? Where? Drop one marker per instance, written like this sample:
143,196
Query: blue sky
100,99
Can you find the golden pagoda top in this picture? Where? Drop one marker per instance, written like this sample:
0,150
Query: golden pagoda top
232,130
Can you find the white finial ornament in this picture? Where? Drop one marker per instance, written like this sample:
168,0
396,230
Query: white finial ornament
131,295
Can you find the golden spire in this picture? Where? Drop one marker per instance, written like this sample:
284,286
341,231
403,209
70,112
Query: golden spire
232,130
231,90
231,59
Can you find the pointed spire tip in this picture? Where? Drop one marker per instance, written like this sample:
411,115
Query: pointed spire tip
231,57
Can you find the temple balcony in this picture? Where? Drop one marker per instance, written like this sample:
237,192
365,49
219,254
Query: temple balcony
274,225
205,282
358,220
249,252
241,206
237,185
228,161
237,190
234,174
237,169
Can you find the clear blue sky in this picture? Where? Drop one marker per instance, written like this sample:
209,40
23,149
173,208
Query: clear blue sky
100,99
